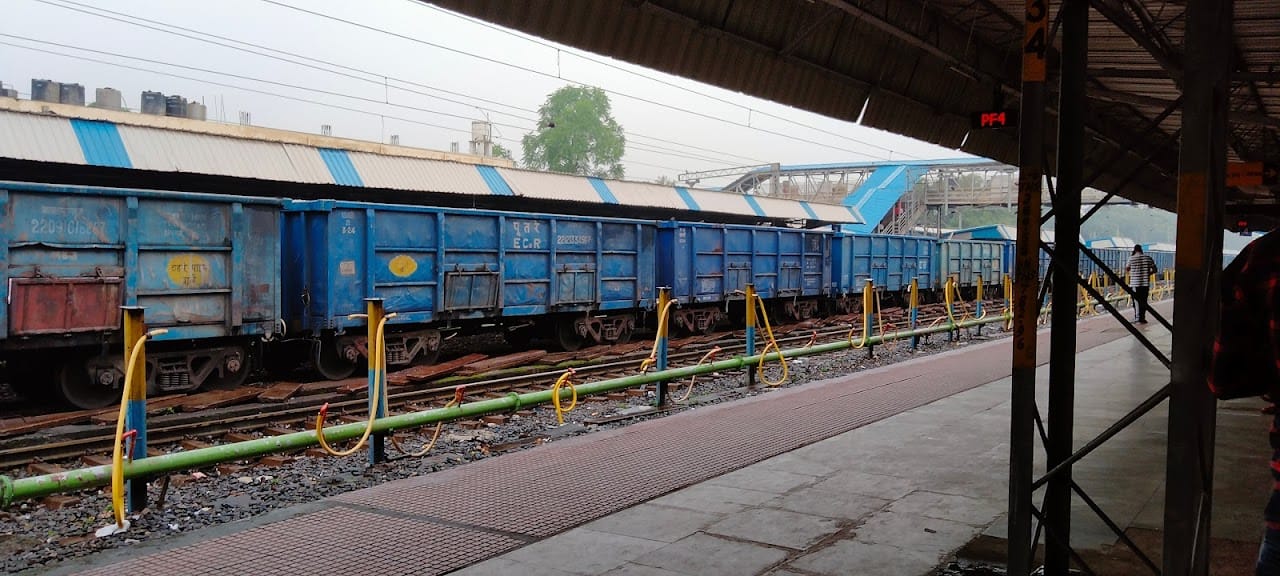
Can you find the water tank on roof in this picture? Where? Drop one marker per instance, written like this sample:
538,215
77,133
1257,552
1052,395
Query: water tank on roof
108,98
45,90
153,103
196,111
175,106
72,94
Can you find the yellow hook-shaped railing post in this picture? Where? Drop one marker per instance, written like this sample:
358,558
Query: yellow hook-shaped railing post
377,354
868,315
751,330
1008,301
949,293
661,342
977,306
132,417
135,414
915,312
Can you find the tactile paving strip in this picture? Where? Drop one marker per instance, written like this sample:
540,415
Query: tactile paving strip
425,525
338,540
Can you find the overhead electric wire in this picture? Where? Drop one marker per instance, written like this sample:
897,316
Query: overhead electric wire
639,146
374,76
235,87
664,82
253,79
548,75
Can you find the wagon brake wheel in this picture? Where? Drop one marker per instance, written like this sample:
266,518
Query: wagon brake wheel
329,362
75,386
567,337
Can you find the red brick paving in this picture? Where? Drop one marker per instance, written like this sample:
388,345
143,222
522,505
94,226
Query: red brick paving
440,522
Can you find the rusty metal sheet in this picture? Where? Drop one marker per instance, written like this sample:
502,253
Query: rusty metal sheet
63,305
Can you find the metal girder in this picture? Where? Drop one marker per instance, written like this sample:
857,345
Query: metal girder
1124,16
809,28
1140,100
899,31
1152,74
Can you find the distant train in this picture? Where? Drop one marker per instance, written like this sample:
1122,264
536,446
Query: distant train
236,279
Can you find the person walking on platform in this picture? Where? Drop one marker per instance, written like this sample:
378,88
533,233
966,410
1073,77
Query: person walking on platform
1139,270
1246,359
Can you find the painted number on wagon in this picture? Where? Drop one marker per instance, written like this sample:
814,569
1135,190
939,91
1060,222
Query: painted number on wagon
69,226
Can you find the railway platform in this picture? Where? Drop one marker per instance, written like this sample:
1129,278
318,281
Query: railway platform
889,471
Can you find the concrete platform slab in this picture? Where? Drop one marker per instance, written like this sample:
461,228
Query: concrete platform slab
707,555
782,528
870,559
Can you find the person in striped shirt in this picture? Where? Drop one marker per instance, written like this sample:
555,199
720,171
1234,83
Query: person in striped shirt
1139,270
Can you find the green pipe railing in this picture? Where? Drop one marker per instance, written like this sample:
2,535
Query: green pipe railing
12,490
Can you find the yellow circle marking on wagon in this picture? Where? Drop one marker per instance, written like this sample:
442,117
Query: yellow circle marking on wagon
403,266
188,270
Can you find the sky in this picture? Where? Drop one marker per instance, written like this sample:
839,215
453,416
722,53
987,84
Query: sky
408,69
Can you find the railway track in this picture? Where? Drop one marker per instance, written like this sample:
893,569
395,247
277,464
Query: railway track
167,430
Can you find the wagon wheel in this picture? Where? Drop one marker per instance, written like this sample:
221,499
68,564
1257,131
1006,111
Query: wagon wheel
567,337
329,361
75,386
227,379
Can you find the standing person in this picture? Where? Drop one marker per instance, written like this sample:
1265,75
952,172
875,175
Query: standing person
1246,359
1139,270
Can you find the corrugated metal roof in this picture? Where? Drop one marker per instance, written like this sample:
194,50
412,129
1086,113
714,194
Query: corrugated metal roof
39,138
645,194
400,173
834,213
549,186
175,151
307,164
97,142
711,201
100,142
778,208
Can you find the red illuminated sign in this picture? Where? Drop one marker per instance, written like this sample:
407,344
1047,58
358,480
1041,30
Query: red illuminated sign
995,119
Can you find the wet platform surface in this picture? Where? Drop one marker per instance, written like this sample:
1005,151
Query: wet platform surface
888,471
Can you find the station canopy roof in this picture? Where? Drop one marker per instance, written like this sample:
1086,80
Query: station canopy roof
73,144
921,68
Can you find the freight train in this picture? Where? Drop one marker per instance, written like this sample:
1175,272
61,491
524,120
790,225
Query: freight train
236,279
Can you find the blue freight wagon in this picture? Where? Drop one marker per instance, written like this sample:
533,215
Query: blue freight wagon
1114,258
579,278
707,265
1164,259
1009,251
890,262
204,267
966,261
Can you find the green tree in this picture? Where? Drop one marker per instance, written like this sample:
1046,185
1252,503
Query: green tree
576,134
500,151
